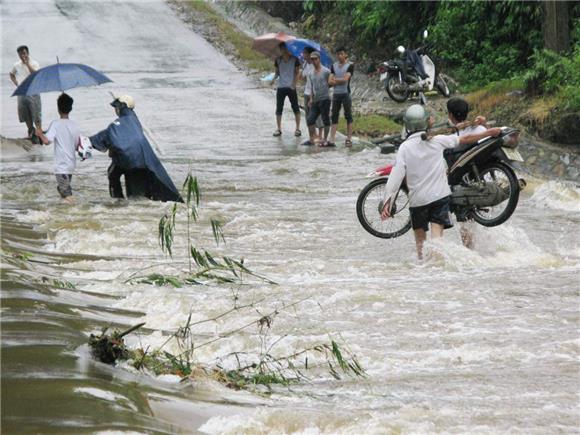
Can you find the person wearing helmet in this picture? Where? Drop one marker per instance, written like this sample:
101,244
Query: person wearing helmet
421,162
133,157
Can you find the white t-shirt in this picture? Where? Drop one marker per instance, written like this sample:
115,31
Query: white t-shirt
474,129
65,135
306,71
422,162
21,71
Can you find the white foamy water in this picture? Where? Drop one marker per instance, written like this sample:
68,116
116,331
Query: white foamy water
469,342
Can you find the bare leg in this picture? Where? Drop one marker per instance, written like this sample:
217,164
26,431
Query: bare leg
297,118
349,131
326,130
333,133
420,236
466,237
312,133
279,122
436,230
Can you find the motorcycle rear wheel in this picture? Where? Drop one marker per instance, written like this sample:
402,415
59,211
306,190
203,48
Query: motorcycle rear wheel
370,204
442,87
393,81
505,177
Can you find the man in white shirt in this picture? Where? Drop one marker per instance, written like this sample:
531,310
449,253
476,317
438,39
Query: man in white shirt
65,135
421,162
29,106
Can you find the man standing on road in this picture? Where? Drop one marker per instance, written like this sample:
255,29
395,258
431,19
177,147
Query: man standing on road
29,106
307,68
340,75
320,99
288,70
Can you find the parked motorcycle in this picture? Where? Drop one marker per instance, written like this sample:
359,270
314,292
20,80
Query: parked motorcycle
484,187
413,73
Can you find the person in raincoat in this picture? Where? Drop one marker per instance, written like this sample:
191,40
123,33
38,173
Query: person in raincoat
133,157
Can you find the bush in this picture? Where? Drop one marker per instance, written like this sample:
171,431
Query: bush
557,75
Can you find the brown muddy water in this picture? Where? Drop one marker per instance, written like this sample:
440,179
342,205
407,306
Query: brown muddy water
476,341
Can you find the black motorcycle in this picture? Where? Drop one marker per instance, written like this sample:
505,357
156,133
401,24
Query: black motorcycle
484,187
413,73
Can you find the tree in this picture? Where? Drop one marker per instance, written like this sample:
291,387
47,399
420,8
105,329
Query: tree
557,26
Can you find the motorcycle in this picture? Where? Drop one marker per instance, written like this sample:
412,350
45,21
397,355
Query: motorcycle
414,74
484,187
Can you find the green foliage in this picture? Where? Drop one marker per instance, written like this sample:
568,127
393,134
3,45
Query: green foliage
166,227
554,74
371,125
58,283
486,41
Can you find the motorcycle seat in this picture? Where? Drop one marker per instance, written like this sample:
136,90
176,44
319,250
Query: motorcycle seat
452,154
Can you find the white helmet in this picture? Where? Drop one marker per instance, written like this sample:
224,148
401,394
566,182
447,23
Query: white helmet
123,99
416,118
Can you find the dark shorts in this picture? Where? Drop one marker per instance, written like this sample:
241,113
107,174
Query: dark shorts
436,212
344,101
63,184
319,108
29,109
307,98
281,95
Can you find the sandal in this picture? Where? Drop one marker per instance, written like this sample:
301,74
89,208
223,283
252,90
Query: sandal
327,144
297,133
277,133
348,143
307,143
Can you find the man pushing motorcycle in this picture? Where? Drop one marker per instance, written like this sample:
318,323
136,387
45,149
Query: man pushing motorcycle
421,162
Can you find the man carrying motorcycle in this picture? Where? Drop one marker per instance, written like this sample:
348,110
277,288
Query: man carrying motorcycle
457,111
421,162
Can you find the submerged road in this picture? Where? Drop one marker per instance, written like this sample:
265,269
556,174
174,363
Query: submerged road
476,341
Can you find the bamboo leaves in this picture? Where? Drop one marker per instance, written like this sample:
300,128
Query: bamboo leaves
207,266
166,231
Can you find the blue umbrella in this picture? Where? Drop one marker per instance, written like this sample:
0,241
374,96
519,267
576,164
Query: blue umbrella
60,77
296,46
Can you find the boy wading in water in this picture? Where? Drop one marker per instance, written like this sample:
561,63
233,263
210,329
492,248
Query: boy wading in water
65,135
421,162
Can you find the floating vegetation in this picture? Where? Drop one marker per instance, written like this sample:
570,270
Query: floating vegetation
110,348
237,370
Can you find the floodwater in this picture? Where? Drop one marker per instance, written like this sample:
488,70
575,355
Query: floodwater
474,341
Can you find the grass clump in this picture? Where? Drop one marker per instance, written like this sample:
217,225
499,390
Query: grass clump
370,125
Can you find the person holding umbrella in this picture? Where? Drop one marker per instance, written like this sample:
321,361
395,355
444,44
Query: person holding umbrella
288,70
29,106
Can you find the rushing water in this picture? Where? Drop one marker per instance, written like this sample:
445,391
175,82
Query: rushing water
474,341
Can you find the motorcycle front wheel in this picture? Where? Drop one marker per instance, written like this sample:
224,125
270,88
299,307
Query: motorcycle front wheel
442,87
396,89
370,205
504,176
